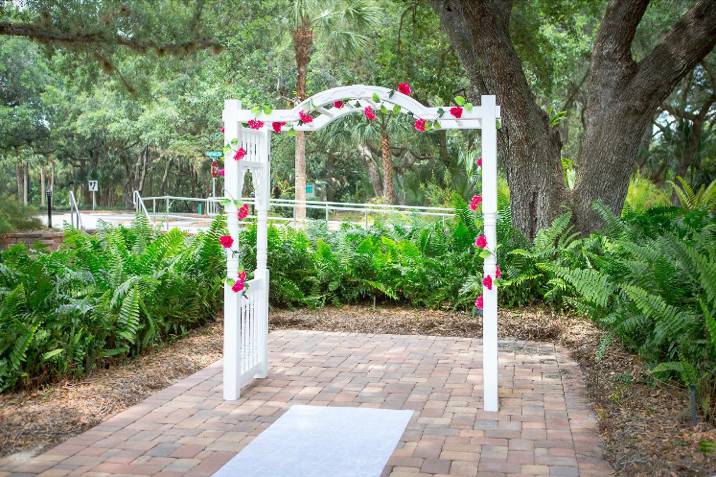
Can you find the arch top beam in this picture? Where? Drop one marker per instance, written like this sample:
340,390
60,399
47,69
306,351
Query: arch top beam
322,109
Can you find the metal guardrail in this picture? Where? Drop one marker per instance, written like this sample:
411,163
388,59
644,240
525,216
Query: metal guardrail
139,206
75,216
210,204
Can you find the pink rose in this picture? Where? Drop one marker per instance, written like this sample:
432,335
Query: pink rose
475,202
405,88
479,161
369,113
255,124
243,211
221,172
487,281
478,302
222,130
497,271
456,111
481,241
237,286
239,154
242,276
226,241
420,125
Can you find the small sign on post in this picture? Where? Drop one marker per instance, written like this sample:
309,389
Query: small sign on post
93,187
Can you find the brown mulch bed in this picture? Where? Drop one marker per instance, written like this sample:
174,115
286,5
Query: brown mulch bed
642,422
32,421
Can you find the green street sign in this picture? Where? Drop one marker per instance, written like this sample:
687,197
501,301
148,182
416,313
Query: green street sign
214,154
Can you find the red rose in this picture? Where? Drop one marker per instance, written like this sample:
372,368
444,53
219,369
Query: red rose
255,124
405,89
338,104
497,271
487,281
369,113
277,125
242,276
243,211
479,161
456,111
475,202
226,241
420,125
305,117
237,286
222,130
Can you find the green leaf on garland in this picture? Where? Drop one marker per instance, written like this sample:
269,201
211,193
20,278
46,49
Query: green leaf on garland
256,110
235,141
391,93
396,109
230,282
468,107
357,104
291,133
227,148
459,100
383,109
436,124
484,253
224,202
441,111
267,110
376,98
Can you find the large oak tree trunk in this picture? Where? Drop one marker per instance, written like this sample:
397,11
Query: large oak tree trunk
302,44
622,96
529,148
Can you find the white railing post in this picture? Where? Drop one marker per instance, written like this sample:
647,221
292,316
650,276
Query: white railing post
232,300
489,212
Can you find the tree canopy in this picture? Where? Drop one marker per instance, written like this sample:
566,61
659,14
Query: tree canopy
130,93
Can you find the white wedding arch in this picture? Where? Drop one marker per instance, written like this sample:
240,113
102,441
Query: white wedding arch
246,312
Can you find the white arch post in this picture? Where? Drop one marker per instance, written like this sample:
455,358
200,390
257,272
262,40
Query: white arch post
246,313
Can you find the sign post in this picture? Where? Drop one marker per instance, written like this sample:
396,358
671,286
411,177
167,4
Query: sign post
214,155
93,187
49,208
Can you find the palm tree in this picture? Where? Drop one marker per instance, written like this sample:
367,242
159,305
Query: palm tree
367,133
336,24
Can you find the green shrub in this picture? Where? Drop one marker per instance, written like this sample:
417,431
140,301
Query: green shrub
15,216
103,296
649,279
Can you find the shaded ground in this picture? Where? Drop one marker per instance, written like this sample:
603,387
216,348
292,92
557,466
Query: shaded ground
642,423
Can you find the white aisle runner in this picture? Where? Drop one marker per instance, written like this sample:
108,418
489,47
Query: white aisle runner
318,441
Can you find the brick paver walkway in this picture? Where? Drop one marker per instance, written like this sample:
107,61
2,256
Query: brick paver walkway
545,425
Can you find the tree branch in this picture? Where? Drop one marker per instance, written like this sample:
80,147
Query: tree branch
43,34
618,28
678,51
